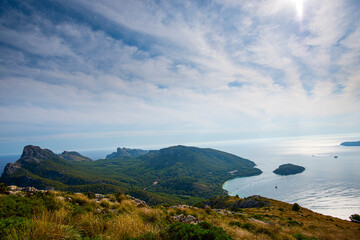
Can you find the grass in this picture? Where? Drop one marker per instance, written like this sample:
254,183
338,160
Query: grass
60,215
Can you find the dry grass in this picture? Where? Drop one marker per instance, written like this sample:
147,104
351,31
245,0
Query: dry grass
129,225
277,221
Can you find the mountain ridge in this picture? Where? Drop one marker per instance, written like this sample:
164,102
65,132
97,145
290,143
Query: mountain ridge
179,173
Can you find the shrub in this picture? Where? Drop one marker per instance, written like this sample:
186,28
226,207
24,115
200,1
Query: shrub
355,218
294,223
299,236
4,188
18,206
90,195
295,207
201,231
7,224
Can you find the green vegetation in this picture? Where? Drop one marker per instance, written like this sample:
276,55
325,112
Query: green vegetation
201,231
126,152
288,169
172,175
295,207
355,218
84,216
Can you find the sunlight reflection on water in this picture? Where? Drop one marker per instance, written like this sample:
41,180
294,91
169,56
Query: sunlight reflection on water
328,185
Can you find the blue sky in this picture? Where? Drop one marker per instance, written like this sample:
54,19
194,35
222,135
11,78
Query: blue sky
89,74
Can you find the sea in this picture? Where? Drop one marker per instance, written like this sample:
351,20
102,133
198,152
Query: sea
330,184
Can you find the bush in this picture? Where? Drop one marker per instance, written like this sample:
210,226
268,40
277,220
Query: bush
4,188
299,236
295,207
355,218
18,206
201,231
7,224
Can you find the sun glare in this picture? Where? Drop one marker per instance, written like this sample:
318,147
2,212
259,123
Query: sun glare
299,6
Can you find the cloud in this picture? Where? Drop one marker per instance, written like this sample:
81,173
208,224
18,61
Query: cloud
177,66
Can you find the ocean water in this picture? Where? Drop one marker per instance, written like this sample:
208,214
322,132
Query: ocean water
329,185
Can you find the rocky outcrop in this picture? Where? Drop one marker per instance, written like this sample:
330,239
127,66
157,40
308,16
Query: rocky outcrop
232,203
35,153
74,156
126,152
189,219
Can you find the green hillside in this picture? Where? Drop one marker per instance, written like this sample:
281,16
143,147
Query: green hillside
175,174
32,214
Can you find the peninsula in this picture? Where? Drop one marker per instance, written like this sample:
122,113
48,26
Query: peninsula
350,144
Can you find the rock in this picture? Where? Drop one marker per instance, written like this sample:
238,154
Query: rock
99,197
224,212
31,189
189,219
138,202
181,206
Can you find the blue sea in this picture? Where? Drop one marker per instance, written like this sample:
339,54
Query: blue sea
329,185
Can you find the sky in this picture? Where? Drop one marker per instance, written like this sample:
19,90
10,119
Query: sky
91,74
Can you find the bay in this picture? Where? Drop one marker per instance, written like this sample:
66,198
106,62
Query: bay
329,185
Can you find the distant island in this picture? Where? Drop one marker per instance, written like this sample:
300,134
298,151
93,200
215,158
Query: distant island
350,144
288,169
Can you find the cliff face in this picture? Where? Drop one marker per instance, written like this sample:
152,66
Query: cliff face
17,173
35,153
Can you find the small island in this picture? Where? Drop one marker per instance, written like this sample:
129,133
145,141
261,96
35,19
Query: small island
288,169
350,144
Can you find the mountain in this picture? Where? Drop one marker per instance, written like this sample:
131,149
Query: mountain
126,152
175,174
350,144
74,156
288,169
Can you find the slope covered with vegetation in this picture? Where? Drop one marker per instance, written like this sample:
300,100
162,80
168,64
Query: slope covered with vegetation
176,174
31,214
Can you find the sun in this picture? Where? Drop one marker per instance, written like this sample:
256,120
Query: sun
299,6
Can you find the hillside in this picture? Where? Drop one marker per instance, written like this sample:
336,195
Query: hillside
126,152
175,174
74,156
32,214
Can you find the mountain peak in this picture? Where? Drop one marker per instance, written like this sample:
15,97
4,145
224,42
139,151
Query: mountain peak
36,152
126,152
74,156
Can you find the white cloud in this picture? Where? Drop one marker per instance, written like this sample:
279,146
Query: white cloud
179,75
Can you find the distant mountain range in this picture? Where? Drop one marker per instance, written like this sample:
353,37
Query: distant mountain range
350,144
173,174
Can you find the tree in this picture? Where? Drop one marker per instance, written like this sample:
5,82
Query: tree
295,207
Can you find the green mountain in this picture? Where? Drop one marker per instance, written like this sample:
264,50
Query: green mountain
74,156
126,152
175,174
